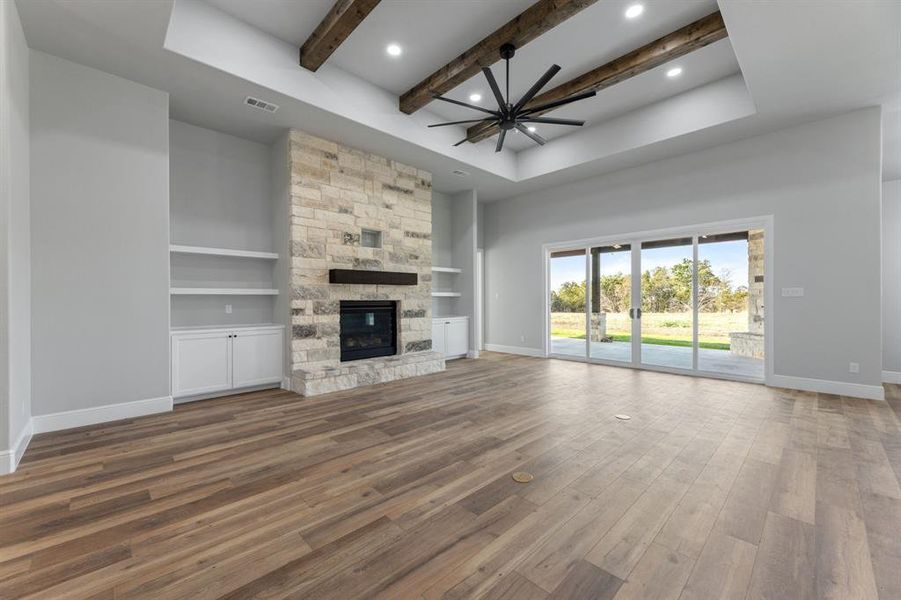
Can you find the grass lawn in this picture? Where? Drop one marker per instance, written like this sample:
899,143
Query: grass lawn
667,329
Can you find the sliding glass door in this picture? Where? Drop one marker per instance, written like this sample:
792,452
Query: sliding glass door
667,316
567,270
687,303
610,300
730,303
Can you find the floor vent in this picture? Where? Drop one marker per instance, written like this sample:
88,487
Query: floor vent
261,104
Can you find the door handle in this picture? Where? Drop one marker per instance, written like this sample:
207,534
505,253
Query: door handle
634,313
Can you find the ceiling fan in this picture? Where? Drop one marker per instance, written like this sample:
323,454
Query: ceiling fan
514,116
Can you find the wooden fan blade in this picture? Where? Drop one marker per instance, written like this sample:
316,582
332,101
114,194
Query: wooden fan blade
536,87
550,105
535,137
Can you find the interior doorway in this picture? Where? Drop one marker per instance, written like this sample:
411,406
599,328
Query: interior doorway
691,301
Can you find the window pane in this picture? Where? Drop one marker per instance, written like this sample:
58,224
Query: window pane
666,303
730,303
611,298
567,303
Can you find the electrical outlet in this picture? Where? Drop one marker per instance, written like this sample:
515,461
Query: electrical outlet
522,338
854,367
228,309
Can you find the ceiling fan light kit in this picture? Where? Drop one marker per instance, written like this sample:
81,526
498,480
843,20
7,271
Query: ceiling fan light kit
509,116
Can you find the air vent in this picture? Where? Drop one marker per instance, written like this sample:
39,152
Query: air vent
460,173
261,104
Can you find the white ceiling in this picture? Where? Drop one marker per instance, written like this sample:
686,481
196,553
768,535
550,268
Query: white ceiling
289,20
799,61
446,28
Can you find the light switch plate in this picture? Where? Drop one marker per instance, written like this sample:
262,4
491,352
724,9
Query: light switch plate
792,292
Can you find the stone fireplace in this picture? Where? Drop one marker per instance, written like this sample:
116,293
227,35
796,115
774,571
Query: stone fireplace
353,210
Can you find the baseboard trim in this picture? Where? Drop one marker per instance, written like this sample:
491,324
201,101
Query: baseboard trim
891,377
229,392
101,414
9,459
514,350
840,388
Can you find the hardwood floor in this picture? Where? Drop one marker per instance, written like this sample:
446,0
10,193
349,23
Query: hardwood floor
713,490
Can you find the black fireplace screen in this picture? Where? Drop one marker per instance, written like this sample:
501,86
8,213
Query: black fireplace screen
368,329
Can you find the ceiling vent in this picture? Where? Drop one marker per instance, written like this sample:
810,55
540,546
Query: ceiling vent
261,104
460,173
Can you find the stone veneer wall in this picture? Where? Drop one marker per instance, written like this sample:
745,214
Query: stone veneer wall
336,192
755,281
751,342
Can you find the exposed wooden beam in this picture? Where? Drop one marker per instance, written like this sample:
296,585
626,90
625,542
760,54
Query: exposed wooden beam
542,16
336,27
671,46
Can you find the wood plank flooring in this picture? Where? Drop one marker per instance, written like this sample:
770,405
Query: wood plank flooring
714,490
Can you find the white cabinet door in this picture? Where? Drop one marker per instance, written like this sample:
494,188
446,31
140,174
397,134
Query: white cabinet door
256,357
457,341
201,363
438,335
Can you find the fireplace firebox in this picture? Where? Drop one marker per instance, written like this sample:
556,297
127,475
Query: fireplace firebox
368,329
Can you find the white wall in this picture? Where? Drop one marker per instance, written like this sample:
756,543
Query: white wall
891,280
15,258
465,214
281,203
220,190
220,196
100,260
821,183
442,230
454,239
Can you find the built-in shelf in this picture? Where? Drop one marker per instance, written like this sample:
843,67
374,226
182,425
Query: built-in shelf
189,328
446,294
446,269
202,291
179,249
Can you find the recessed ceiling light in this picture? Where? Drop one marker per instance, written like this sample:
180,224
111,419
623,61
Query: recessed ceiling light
475,97
674,72
634,11
532,129
394,50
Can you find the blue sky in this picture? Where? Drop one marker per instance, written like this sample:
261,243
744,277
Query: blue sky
723,255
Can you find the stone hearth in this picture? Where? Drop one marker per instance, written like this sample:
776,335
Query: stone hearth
336,193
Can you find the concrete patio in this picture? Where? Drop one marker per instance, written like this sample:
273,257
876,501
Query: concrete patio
677,357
